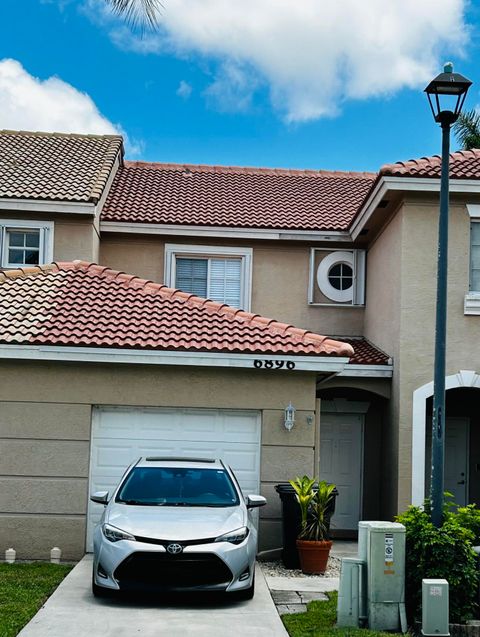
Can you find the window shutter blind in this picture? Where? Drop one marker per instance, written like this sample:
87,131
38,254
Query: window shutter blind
191,276
225,281
475,257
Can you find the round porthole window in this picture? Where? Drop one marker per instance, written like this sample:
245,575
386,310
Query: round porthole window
340,276
335,276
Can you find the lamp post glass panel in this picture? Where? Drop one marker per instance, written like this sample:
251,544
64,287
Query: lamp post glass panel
446,95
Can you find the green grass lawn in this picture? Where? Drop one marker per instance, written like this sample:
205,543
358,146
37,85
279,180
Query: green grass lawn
23,589
319,621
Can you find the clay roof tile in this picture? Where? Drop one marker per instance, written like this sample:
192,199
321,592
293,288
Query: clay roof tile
84,304
232,196
56,166
464,164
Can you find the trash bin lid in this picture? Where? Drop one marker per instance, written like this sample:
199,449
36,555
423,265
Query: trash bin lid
284,487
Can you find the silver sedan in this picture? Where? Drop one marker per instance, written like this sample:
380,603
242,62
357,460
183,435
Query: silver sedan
176,524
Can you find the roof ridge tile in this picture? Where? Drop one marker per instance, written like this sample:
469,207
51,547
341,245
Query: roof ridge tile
248,170
27,133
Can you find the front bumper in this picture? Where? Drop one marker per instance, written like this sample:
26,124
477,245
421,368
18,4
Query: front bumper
140,566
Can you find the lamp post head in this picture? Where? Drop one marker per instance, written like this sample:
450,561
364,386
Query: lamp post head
454,88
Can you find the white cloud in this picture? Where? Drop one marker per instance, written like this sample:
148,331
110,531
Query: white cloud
126,40
312,54
184,90
29,103
233,87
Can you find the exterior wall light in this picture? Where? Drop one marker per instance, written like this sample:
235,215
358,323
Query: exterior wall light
289,417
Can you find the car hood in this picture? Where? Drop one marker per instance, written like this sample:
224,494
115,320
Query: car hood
175,523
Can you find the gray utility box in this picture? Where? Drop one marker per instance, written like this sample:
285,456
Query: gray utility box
435,607
352,593
384,546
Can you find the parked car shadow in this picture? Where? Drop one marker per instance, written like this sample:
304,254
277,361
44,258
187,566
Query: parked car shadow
199,599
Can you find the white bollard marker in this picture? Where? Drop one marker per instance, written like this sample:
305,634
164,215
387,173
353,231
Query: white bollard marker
55,555
10,555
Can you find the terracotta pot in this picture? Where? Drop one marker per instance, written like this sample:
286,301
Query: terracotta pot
314,555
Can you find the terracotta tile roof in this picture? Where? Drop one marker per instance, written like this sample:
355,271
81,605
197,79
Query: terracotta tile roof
56,166
235,197
86,305
365,353
464,164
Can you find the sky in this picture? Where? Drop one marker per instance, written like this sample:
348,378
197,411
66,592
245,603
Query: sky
318,84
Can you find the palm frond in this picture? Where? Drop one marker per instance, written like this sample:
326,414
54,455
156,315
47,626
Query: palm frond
138,12
467,129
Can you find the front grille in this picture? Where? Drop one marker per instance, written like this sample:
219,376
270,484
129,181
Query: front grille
165,543
160,571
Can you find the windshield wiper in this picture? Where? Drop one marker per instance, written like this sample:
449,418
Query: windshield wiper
136,502
196,504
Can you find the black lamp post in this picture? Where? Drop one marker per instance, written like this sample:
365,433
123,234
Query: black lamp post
452,87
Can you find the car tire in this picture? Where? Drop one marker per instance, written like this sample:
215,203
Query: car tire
248,593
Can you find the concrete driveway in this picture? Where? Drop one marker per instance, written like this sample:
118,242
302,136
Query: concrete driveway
72,611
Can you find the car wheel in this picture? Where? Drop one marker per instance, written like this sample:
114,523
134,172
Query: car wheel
248,593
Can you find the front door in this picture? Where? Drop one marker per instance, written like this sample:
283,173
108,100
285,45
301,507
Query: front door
456,459
341,442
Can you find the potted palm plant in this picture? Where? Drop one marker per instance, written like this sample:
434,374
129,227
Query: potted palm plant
313,543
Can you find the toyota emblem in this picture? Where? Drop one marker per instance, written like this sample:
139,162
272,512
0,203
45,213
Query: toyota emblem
174,549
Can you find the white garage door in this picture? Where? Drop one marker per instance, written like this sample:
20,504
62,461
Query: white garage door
121,435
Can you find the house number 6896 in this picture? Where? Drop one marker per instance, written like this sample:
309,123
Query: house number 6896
259,364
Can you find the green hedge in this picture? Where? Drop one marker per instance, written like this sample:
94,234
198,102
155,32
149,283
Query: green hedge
441,553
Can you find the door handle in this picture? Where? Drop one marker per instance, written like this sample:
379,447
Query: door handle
461,482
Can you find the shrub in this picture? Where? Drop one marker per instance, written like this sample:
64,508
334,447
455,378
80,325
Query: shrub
314,500
469,518
439,553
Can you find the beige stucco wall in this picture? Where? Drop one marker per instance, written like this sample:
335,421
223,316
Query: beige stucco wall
382,327
418,312
74,236
45,434
400,316
136,254
279,281
75,240
280,289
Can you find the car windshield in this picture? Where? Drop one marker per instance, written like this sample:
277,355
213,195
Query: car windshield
178,486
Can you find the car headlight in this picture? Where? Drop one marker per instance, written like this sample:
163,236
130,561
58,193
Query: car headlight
234,537
114,535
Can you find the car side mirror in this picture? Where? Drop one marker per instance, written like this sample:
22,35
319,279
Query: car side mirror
254,501
100,497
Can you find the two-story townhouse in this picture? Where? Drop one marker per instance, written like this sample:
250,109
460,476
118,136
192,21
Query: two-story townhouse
99,366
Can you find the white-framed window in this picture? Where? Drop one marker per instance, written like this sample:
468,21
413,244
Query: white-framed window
24,243
222,274
475,256
472,297
337,277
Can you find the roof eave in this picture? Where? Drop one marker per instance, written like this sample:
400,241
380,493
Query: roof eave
61,353
386,183
355,370
225,232
47,205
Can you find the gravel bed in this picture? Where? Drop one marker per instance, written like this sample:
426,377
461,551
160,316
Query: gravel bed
276,569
